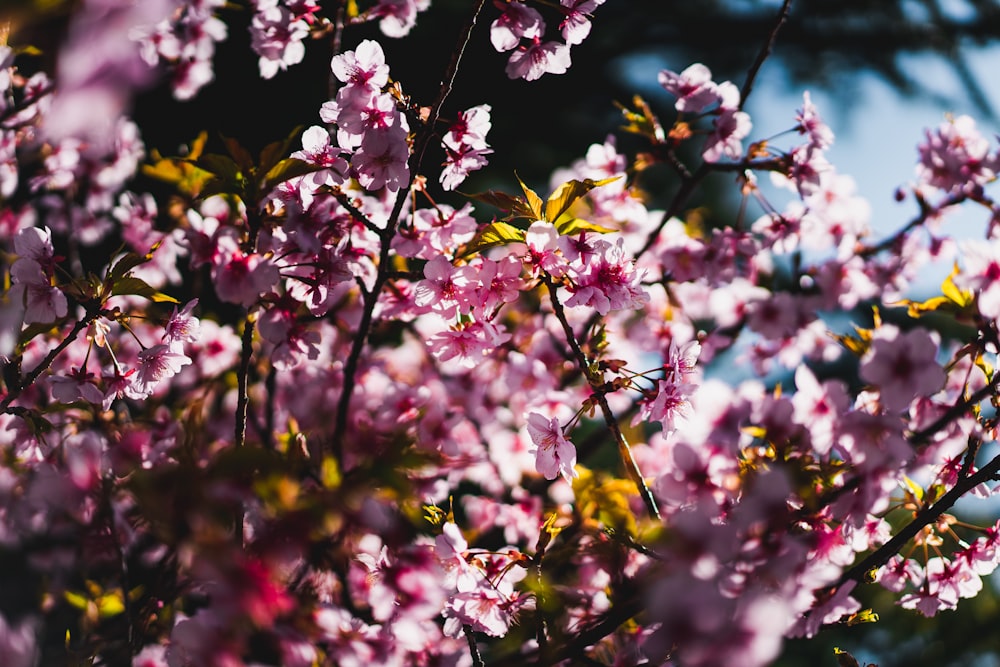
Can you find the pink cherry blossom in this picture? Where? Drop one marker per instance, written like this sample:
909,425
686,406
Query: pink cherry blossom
902,366
956,156
729,129
544,254
981,273
398,16
608,282
364,66
381,161
42,301
240,277
693,88
518,21
554,454
276,36
576,26
182,327
531,62
810,124
155,364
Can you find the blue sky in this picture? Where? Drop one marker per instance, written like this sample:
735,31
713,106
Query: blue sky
877,129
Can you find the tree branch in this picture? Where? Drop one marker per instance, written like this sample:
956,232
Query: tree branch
624,450
924,517
386,235
765,51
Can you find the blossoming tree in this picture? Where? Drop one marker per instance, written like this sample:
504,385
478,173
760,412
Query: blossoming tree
318,405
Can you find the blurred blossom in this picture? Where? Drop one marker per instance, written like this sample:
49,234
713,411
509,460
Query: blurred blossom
99,68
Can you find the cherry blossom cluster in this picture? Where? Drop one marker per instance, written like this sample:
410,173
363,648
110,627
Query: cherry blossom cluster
521,30
185,40
695,92
368,120
312,407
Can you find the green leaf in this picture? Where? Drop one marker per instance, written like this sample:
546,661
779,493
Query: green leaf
198,146
567,193
240,155
863,616
110,604
126,263
186,176
570,226
275,152
532,200
915,489
138,286
643,122
960,297
492,235
225,168
512,207
286,169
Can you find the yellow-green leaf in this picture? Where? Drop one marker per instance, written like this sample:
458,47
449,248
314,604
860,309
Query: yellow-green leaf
915,489
187,177
570,226
285,170
985,366
138,286
863,616
110,604
492,235
276,151
954,293
329,473
917,308
198,146
533,200
567,193
76,600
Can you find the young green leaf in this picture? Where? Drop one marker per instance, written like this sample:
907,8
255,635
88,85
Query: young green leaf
492,235
534,202
138,286
286,169
570,226
567,193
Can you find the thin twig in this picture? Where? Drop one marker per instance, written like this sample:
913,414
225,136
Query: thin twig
356,213
631,467
922,436
386,235
89,317
477,659
242,398
925,211
335,44
924,517
690,183
242,405
916,439
765,51
687,188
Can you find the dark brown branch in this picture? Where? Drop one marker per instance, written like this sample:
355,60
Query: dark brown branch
924,517
386,235
922,436
624,450
477,659
89,317
765,51
930,514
